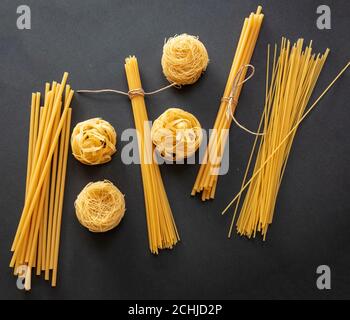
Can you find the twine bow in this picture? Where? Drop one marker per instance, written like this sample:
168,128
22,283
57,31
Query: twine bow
232,101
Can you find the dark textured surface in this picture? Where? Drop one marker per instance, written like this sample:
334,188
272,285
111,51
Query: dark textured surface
90,39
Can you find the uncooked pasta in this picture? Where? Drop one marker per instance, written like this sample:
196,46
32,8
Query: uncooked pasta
162,232
207,177
177,134
93,141
184,59
38,232
294,76
100,206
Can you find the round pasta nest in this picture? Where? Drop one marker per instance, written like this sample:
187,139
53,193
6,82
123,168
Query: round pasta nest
100,206
93,141
184,59
177,134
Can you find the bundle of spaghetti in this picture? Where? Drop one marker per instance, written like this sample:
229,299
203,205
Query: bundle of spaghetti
294,76
162,232
207,177
36,242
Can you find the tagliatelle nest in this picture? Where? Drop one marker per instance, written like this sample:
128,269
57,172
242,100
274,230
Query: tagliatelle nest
184,59
100,206
177,134
93,141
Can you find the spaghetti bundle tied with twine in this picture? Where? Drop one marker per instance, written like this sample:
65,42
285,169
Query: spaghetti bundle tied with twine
207,178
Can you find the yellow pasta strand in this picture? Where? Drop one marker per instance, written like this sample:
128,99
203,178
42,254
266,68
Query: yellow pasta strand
61,198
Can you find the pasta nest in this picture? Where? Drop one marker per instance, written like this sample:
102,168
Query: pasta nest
100,206
93,141
184,59
177,134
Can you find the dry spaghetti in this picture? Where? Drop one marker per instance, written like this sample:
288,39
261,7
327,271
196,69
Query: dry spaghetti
36,242
93,141
294,76
177,134
207,177
162,232
100,206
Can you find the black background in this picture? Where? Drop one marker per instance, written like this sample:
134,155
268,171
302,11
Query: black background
90,40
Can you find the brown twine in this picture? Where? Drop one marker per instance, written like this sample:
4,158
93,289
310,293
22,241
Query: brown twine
131,93
232,102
